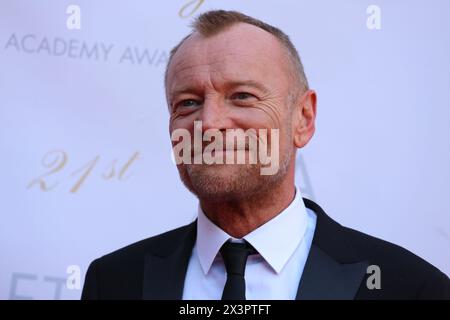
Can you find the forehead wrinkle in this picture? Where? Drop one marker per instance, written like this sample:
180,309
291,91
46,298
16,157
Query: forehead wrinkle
204,76
213,50
204,55
214,59
183,76
219,68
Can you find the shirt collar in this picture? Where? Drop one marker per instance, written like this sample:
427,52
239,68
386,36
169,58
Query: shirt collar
275,241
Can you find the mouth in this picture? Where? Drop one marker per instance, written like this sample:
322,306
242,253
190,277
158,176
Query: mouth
221,151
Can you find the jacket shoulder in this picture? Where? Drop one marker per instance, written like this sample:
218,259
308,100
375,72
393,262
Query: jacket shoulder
163,242
119,274
403,273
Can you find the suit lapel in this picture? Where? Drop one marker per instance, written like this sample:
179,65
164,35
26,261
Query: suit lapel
325,276
165,269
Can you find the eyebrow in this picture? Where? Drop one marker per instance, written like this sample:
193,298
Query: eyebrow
229,84
248,83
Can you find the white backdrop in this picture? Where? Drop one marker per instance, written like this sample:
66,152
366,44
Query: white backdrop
85,150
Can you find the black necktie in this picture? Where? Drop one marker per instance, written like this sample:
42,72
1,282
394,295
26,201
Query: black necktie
235,257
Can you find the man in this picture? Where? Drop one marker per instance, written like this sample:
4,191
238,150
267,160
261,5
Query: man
255,237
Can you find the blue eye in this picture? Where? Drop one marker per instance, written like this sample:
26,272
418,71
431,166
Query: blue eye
188,103
242,95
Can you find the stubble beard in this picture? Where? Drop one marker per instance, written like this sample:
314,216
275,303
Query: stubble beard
232,182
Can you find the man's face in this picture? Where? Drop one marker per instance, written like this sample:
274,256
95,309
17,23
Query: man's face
237,79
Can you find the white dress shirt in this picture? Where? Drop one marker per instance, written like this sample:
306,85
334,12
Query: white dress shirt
282,243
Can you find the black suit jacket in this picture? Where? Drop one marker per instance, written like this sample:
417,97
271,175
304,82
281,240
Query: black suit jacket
336,267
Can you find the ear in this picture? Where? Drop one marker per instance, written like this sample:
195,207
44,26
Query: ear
304,114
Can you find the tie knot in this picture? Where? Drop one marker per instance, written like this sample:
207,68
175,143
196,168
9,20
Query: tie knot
235,256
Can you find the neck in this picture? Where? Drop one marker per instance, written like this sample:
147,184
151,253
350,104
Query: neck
239,217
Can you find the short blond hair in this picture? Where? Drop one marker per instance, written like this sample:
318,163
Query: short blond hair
215,21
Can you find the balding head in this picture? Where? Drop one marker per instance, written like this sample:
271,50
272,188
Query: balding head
213,22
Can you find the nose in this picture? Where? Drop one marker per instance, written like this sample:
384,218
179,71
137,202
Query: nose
214,115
